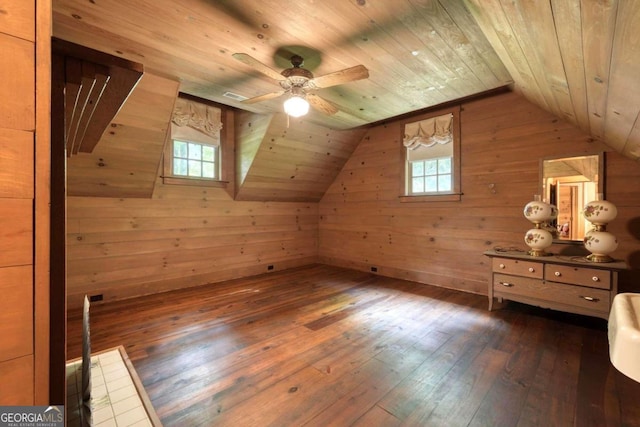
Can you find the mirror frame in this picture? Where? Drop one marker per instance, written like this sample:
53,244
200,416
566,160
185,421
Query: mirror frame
600,186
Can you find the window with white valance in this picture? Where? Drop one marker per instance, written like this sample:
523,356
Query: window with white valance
431,152
195,143
196,122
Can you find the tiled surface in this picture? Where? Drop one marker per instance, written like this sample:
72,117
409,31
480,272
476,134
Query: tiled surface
114,398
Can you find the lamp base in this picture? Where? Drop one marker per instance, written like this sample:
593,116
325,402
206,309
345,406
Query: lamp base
599,258
538,252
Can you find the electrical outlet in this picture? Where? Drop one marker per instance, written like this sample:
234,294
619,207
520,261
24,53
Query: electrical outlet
269,267
94,298
374,269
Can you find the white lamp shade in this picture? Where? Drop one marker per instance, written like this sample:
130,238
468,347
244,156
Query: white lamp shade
296,106
600,212
538,211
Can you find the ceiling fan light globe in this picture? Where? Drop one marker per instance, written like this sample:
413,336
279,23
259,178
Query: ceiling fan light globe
296,106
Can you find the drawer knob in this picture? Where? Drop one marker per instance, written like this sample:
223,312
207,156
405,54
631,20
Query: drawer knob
595,278
588,298
557,274
501,266
531,269
506,284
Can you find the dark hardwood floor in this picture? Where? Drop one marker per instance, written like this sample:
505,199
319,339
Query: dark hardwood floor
324,346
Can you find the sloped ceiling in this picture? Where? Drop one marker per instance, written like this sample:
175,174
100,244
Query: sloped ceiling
579,59
125,161
286,159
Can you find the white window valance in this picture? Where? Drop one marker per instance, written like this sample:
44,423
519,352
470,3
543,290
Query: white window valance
428,132
196,122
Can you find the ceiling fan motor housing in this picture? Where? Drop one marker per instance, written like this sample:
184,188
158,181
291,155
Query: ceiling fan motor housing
296,74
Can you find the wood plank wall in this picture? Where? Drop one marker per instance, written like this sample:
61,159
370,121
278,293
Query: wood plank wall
184,236
363,224
24,166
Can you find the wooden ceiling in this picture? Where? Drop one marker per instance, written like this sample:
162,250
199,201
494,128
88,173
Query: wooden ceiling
579,59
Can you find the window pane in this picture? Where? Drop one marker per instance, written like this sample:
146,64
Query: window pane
431,167
208,170
195,151
444,182
180,149
195,168
417,185
444,165
430,184
208,153
179,167
417,169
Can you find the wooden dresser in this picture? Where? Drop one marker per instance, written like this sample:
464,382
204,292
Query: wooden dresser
565,283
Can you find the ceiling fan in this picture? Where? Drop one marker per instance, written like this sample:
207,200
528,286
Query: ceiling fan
299,83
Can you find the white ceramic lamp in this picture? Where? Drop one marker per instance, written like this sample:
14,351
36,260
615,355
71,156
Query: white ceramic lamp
599,241
538,238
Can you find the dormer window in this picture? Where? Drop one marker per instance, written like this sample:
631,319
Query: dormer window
193,152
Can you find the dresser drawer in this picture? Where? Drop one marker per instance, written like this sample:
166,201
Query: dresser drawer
591,277
552,294
518,267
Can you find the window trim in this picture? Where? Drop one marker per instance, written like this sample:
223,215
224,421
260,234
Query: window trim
456,192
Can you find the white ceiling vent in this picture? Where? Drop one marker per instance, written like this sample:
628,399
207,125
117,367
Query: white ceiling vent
234,96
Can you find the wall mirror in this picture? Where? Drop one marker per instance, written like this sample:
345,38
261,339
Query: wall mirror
570,183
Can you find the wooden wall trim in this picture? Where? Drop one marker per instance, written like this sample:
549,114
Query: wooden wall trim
42,199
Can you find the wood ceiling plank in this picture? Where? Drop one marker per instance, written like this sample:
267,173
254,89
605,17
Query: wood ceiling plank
568,25
440,35
389,46
598,29
521,26
476,38
551,71
623,96
495,24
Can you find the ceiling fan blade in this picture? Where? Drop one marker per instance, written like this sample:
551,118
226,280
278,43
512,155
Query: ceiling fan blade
358,72
321,104
264,97
258,66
